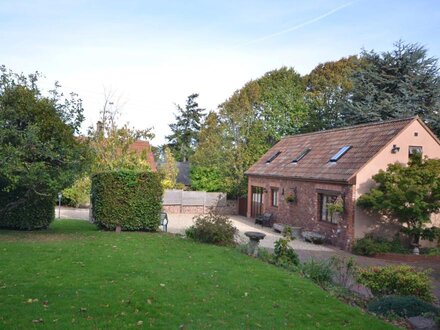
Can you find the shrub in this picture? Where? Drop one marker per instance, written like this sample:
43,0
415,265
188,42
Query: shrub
344,271
405,306
370,246
265,255
434,251
33,211
284,255
319,271
126,198
398,280
78,194
212,228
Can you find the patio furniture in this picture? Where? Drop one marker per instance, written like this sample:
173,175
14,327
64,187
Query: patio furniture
296,231
164,221
265,220
313,237
254,240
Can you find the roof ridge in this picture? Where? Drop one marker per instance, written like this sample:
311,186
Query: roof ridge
352,126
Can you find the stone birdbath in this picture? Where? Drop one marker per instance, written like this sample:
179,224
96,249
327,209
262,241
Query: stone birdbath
254,240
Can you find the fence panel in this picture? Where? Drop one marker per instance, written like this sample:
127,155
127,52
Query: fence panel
172,197
193,198
180,201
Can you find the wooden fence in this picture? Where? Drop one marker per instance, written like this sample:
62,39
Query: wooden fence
196,202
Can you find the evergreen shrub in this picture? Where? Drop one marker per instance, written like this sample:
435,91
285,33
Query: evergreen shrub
212,228
370,246
396,280
405,306
126,198
284,255
32,211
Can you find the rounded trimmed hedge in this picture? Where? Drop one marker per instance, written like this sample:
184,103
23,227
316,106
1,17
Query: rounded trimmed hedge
126,198
24,210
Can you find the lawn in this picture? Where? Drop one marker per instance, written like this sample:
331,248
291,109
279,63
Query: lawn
73,276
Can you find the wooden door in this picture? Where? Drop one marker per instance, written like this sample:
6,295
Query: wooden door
242,206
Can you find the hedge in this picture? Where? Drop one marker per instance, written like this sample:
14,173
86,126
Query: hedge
405,306
126,198
399,280
32,211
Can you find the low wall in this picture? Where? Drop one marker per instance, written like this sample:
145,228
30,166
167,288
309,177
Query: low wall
407,257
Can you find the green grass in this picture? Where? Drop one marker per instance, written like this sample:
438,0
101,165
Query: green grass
73,276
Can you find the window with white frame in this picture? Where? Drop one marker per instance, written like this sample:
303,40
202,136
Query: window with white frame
274,196
413,150
325,213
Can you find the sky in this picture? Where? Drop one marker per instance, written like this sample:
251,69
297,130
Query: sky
153,54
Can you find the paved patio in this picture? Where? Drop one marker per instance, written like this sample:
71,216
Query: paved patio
179,222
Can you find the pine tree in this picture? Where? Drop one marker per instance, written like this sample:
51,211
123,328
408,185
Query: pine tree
185,131
397,84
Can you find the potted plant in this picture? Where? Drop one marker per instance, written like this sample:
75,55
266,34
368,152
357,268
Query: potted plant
291,198
336,207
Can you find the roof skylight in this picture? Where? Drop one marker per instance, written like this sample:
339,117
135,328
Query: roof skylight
301,155
275,155
340,153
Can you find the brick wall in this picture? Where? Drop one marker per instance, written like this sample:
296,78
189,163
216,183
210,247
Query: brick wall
305,211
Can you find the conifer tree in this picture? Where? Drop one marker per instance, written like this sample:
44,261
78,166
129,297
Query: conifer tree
400,83
185,131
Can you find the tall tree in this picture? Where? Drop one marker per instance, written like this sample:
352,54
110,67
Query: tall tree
109,143
245,136
328,87
39,154
247,125
185,131
281,104
169,170
400,83
211,142
207,163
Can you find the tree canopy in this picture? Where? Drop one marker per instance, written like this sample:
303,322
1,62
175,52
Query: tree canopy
328,87
39,154
400,83
281,104
362,88
246,126
407,195
185,131
169,170
110,146
110,142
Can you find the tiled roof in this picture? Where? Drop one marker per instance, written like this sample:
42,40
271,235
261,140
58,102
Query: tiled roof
183,175
365,140
139,146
